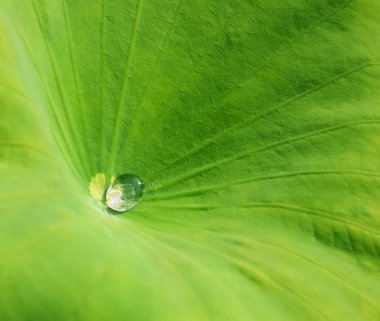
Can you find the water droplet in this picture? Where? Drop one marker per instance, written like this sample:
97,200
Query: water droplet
124,192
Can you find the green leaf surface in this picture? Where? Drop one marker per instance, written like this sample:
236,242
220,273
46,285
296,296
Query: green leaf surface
255,126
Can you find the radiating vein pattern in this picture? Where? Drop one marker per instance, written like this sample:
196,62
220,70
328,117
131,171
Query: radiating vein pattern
254,126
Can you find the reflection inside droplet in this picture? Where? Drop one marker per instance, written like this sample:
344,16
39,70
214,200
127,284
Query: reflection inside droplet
124,192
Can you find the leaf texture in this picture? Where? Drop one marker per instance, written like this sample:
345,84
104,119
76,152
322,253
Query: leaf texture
255,126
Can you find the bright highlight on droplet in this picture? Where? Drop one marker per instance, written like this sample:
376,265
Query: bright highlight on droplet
124,192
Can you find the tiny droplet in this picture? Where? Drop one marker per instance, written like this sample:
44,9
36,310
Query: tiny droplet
124,192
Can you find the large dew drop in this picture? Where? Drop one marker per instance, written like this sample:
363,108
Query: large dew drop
124,192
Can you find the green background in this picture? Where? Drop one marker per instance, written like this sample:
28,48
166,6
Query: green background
255,127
